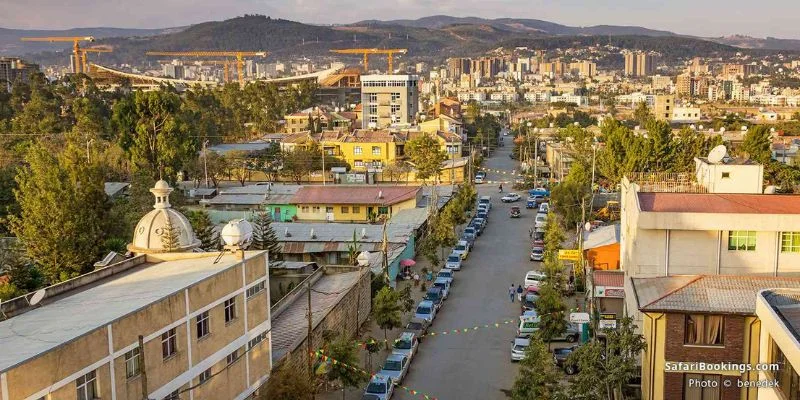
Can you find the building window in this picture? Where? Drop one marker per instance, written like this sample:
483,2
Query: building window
345,210
790,242
786,374
132,363
328,209
692,389
383,210
373,119
169,343
356,209
205,375
395,108
87,386
701,329
395,97
742,240
373,97
376,150
255,289
231,358
373,109
230,309
173,396
726,175
304,209
357,150
202,325
315,209
256,340
377,164
358,164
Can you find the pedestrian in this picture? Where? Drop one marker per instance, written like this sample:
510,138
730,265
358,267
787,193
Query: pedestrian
501,188
416,279
519,292
530,232
511,292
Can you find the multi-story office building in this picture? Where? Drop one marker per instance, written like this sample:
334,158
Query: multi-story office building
388,99
13,70
661,82
194,324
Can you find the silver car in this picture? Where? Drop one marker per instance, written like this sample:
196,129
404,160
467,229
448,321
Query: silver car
395,367
406,345
425,310
518,347
443,284
446,273
380,386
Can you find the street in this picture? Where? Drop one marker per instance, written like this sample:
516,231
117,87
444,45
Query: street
476,364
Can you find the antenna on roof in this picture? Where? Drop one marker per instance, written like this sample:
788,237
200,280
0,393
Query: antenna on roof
36,297
363,233
313,235
380,194
717,154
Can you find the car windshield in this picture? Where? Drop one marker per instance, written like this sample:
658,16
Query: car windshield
423,310
414,325
447,274
519,347
537,251
439,285
402,344
453,258
392,365
431,296
461,247
375,387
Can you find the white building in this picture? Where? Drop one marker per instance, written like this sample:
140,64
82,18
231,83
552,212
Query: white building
538,96
471,95
570,98
686,114
504,96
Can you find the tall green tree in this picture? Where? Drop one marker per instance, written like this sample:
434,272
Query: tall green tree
386,309
642,114
204,229
343,351
60,196
170,236
757,144
265,238
426,155
570,194
537,378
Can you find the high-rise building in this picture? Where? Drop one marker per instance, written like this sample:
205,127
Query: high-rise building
173,71
457,66
737,70
639,64
696,67
388,99
630,64
15,70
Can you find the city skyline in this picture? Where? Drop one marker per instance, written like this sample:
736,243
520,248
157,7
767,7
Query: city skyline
776,18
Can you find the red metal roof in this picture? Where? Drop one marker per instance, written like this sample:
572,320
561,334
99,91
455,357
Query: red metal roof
722,203
380,195
608,278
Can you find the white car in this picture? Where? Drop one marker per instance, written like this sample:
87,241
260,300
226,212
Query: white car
541,220
518,346
446,273
510,198
453,262
380,387
534,278
544,208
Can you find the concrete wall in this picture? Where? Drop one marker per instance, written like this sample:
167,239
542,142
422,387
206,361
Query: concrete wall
729,178
774,329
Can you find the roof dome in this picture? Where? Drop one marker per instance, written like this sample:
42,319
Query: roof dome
149,236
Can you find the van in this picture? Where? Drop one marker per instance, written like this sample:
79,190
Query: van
486,200
528,325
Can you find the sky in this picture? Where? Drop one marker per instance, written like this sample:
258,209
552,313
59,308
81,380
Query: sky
776,18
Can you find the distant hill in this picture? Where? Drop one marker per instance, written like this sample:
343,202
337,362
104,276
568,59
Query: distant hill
521,25
11,45
748,42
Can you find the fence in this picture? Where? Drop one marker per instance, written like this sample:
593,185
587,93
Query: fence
669,182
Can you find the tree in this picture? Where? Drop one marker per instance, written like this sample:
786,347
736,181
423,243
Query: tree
287,384
237,162
386,310
553,236
757,144
603,370
264,238
343,351
170,235
642,114
60,196
426,155
660,135
298,163
204,229
537,378
569,195
406,300
550,306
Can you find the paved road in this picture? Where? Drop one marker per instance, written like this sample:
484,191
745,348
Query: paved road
476,365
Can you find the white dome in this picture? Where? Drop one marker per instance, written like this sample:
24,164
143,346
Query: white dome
150,231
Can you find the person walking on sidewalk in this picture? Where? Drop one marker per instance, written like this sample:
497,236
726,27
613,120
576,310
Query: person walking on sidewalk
511,292
519,292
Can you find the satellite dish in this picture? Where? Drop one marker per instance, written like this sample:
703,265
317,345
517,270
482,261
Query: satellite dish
717,154
37,297
769,189
692,127
636,128
700,127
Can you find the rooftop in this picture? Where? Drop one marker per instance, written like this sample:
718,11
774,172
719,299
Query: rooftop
348,194
718,294
601,236
610,278
730,161
54,323
719,203
786,304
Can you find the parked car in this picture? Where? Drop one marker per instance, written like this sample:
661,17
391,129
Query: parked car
453,261
479,179
560,357
484,215
540,191
425,310
395,367
534,278
370,397
570,335
435,296
380,386
515,212
528,325
485,200
540,221
519,180
518,346
544,208
418,326
470,234
533,201
538,235
462,249
510,198
446,273
443,284
406,345
479,224
483,208
529,299
537,253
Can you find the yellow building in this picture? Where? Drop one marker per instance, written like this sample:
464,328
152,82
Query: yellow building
780,342
445,124
300,121
343,203
693,319
204,324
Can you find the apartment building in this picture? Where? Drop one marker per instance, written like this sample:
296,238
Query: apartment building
733,71
343,203
570,98
542,96
662,106
388,99
13,70
321,119
583,69
661,82
204,321
686,114
458,66
639,64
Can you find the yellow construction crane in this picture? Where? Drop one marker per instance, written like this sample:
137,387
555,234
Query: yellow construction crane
75,46
238,54
96,49
366,52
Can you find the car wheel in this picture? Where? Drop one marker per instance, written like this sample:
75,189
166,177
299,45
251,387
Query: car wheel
572,338
570,369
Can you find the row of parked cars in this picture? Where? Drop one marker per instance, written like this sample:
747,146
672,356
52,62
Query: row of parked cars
381,386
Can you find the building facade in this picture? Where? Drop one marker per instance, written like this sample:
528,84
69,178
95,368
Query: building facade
388,99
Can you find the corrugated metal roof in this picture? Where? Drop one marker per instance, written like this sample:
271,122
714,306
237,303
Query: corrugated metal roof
340,232
349,194
720,203
601,236
608,278
242,199
719,294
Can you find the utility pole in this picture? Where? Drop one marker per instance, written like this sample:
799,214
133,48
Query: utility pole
205,161
384,251
323,165
310,344
144,368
